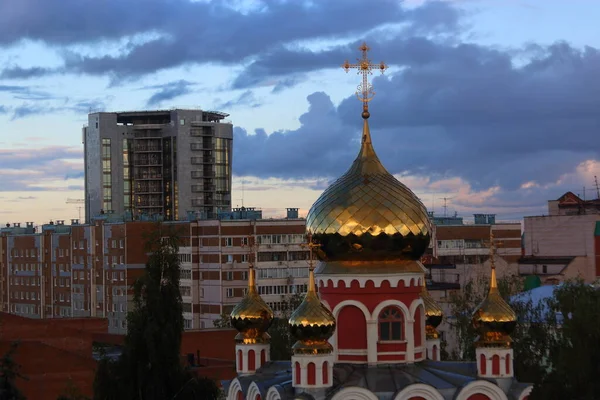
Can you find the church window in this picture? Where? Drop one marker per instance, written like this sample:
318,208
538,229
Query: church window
391,324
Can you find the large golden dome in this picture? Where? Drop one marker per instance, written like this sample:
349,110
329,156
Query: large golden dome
312,323
252,316
367,214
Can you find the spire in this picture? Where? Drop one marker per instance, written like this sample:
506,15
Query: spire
312,323
252,316
494,319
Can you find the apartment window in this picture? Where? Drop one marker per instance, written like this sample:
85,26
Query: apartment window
229,292
229,258
244,258
185,290
121,243
244,275
228,242
187,323
201,292
244,241
122,276
186,274
187,307
229,276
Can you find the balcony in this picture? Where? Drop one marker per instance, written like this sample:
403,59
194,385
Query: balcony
149,176
202,160
146,148
203,188
201,146
201,129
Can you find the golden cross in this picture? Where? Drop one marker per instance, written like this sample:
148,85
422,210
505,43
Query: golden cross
311,244
365,91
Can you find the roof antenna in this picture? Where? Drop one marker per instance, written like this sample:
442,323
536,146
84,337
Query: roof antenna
597,187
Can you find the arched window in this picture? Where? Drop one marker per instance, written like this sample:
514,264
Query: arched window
391,324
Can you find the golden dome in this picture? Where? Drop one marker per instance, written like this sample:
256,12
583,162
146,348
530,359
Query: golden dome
367,214
433,313
493,319
252,316
312,323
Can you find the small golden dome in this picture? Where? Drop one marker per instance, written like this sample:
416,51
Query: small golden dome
367,214
312,323
252,316
493,319
433,313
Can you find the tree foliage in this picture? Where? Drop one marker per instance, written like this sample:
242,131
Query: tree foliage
573,357
9,373
462,305
556,342
150,366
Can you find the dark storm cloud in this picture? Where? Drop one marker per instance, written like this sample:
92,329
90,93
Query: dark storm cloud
453,110
26,73
180,32
169,91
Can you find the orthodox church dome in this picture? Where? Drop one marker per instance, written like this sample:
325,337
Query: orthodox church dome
367,214
252,316
494,319
312,323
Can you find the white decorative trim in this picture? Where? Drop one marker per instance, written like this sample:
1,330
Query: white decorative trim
419,390
392,353
253,391
526,392
400,305
245,348
413,308
431,343
319,361
410,280
489,353
358,304
482,387
354,393
234,388
353,352
273,394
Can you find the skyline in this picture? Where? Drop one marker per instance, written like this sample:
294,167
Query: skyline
461,83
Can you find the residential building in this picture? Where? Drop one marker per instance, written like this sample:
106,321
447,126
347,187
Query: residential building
562,244
87,270
166,162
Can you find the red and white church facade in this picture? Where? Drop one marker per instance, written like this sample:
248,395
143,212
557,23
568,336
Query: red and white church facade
366,329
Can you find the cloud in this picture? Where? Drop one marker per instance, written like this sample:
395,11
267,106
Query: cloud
454,111
169,91
191,32
41,168
25,92
245,99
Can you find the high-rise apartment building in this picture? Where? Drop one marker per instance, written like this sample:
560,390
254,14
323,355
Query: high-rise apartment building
169,163
87,270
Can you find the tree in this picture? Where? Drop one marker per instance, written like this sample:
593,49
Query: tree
573,358
9,373
463,303
150,366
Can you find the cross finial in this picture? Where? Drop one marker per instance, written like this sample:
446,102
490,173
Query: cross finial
365,91
311,244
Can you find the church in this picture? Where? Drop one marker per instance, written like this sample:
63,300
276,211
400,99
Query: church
366,329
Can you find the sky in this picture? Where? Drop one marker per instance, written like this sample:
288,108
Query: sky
493,105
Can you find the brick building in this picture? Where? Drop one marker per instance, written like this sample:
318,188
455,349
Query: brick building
86,270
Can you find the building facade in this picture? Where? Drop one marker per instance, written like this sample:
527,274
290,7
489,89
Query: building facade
562,244
168,163
63,270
